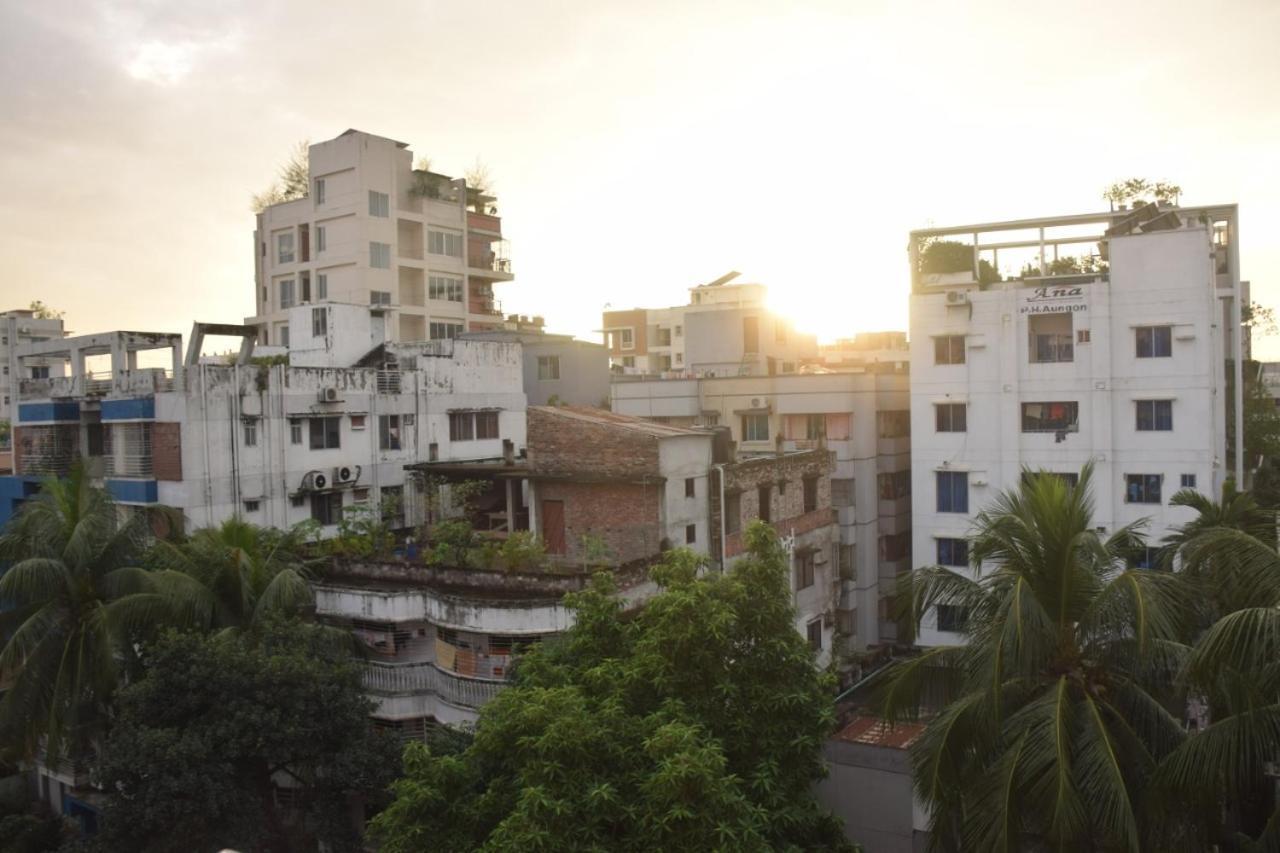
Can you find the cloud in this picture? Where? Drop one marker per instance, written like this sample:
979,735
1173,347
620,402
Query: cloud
160,63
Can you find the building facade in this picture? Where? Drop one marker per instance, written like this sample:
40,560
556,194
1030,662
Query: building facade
725,330
862,419
17,328
422,249
1108,346
558,369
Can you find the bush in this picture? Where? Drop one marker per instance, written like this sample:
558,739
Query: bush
523,552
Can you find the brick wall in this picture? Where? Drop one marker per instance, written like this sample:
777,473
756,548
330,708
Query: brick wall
624,515
561,443
784,476
166,451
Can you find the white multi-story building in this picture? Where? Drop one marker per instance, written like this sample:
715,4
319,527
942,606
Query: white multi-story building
20,327
862,418
1115,356
725,330
422,249
275,444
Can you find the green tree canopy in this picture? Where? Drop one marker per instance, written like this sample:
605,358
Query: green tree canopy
695,725
1053,717
202,740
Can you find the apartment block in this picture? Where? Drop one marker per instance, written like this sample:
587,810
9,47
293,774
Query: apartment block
558,369
860,418
725,330
272,443
17,328
1047,343
421,249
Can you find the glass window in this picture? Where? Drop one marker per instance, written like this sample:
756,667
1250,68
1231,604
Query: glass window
322,241
951,417
948,349
1188,481
548,367
326,508
813,633
815,426
628,339
250,433
894,424
1154,415
462,426
755,427
380,255
325,433
322,286
389,432
295,432
319,322
287,294
444,243
444,287
893,485
804,569
379,204
319,191
379,297
953,552
1142,488
1145,558
953,491
357,421
486,424
284,248
444,331
1061,416
251,506
1154,341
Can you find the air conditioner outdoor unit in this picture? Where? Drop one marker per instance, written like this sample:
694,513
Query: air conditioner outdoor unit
957,297
755,402
328,395
346,474
314,481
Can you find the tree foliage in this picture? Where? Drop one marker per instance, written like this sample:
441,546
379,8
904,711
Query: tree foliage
948,256
220,729
1136,190
1054,716
292,182
45,312
695,725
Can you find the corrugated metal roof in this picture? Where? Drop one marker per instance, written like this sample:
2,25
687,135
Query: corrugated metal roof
875,731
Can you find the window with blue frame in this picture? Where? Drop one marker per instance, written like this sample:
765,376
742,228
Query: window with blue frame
953,552
953,491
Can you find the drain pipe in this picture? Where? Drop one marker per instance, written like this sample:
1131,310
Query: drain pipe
720,476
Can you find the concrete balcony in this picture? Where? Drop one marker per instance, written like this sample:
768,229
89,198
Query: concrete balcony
421,678
520,617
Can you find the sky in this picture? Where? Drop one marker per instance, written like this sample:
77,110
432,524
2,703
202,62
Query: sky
636,149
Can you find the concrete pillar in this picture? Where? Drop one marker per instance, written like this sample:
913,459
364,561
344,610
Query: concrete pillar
511,507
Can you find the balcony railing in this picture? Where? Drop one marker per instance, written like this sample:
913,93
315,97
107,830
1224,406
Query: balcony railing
489,261
428,678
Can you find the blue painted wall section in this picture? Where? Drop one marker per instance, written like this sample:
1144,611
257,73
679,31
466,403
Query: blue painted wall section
62,410
133,491
13,491
130,409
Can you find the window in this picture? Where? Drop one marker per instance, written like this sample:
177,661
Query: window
842,491
815,426
379,297
679,358
679,331
1154,415
287,294
444,287
251,506
327,508
628,339
1188,481
1051,340
468,426
389,432
948,349
297,501
325,433
813,633
391,505
893,485
1145,558
732,512
755,427
380,255
322,241
41,372
810,494
690,534
894,424
951,617
1082,336
284,248
804,568
895,546
628,361
379,204
764,495
1142,488
295,431
444,331
284,335
322,285
360,496
319,322
250,433
951,417
548,367
953,552
953,491
1153,341
319,191
357,421
1051,417
690,487
444,243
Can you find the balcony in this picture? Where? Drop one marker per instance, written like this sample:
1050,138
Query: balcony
490,260
409,678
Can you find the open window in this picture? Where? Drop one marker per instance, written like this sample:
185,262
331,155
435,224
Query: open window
1050,339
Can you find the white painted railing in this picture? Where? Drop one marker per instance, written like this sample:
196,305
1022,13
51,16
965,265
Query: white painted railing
427,678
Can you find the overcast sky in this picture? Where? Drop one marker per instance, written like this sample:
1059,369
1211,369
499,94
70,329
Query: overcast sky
636,148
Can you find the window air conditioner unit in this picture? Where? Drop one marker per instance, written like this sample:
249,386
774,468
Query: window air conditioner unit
957,297
346,474
328,395
314,480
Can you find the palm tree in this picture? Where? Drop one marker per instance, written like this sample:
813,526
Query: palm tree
234,576
1054,717
78,600
1235,511
1234,669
